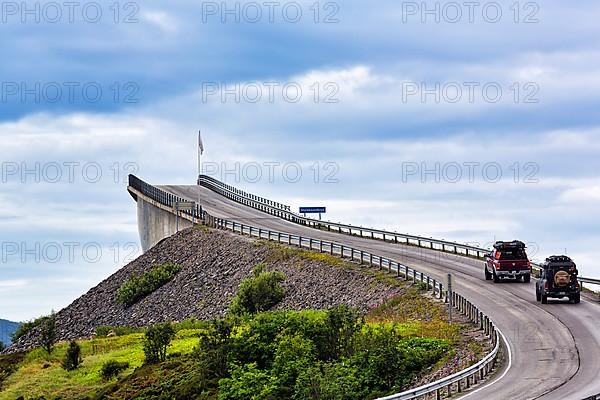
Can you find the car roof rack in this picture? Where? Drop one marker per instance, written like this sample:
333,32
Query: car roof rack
559,259
513,244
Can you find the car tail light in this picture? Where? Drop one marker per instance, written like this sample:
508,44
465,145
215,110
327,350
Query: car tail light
528,264
546,285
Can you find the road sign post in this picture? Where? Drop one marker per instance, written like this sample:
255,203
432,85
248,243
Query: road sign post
449,286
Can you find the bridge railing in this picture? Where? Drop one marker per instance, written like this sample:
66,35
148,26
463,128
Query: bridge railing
411,240
444,387
163,197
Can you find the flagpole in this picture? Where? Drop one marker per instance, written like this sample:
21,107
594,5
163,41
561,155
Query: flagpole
199,166
199,156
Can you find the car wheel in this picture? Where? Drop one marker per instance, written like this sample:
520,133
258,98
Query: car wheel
544,299
496,277
577,299
538,297
488,276
527,278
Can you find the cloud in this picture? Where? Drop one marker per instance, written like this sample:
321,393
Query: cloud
162,20
586,195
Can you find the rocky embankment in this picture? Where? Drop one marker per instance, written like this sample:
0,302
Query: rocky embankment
214,264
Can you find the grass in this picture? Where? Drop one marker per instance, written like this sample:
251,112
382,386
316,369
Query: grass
419,316
39,374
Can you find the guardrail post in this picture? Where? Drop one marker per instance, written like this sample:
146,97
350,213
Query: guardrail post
352,253
414,276
480,320
450,390
380,263
310,242
428,282
459,384
300,241
441,290
342,251
361,257
279,237
320,246
371,259
331,247
438,395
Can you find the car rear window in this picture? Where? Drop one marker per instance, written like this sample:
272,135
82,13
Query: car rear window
512,254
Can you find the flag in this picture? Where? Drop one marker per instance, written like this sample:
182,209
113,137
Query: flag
200,145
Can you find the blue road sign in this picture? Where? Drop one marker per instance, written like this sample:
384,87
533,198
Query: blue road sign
313,210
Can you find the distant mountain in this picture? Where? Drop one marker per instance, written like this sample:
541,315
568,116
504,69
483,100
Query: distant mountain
7,328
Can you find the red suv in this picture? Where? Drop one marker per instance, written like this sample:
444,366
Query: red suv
508,260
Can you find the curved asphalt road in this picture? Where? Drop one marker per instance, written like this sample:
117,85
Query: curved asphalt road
555,348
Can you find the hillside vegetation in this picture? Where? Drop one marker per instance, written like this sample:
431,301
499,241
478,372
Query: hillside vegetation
294,325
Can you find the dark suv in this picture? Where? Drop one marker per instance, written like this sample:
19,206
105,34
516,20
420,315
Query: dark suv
558,279
508,260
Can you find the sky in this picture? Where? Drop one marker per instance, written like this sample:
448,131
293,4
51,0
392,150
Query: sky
464,121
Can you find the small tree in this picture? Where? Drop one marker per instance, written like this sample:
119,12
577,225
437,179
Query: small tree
112,369
158,338
48,333
72,357
2,346
259,293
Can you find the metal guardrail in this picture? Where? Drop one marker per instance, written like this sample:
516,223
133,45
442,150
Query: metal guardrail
589,280
443,387
241,193
411,240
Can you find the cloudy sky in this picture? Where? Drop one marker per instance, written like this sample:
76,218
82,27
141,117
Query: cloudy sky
463,121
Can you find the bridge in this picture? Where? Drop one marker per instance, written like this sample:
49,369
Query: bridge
541,352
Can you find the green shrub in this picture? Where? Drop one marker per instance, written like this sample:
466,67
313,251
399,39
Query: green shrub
259,293
293,355
249,383
388,362
343,324
48,332
156,341
139,286
191,323
72,357
112,369
214,348
330,381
